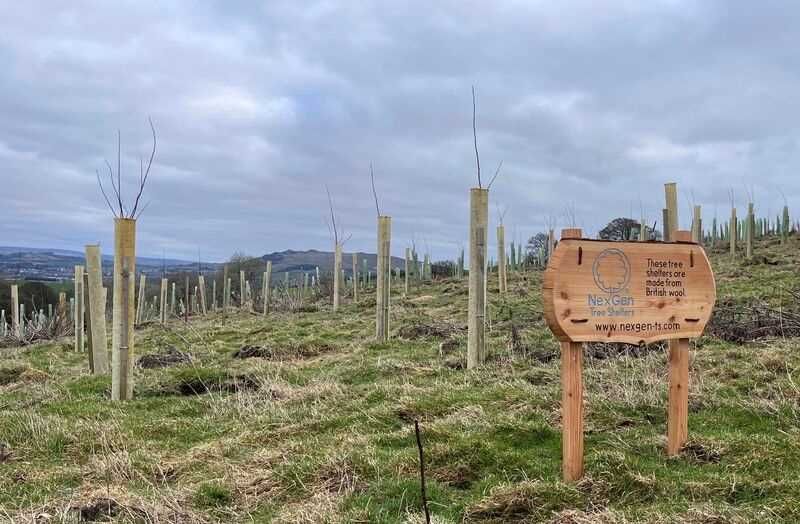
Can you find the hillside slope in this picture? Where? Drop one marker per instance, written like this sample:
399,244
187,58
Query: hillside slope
317,426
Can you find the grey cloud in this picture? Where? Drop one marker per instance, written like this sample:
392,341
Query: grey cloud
258,106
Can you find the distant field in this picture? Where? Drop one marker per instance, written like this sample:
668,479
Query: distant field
317,425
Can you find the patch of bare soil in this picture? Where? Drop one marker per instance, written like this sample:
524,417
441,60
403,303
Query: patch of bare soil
339,477
9,375
602,350
171,357
297,351
197,386
448,346
744,321
701,453
5,452
459,476
422,330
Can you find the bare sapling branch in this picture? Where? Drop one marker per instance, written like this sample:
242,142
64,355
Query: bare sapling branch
374,193
501,213
333,217
116,185
475,137
497,172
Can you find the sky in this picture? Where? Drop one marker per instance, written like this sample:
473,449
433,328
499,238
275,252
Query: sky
258,106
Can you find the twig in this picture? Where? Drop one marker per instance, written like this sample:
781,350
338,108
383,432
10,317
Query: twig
374,194
333,217
475,137
497,172
422,473
143,179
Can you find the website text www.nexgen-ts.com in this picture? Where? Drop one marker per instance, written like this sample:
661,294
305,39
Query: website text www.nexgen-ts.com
638,327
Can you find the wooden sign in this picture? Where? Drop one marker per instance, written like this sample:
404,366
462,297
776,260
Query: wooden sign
625,292
630,292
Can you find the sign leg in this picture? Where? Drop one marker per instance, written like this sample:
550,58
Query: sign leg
677,417
572,410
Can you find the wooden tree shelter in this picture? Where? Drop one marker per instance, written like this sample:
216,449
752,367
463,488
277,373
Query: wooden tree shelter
122,352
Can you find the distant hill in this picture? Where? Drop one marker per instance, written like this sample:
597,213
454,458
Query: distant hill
300,261
27,263
145,261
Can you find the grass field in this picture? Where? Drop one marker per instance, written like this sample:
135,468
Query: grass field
320,426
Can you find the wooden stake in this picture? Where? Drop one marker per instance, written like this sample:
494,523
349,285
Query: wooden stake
61,311
80,302
501,259
478,224
407,269
337,273
671,197
201,282
15,320
355,277
384,282
267,286
141,302
697,226
188,303
242,294
96,311
750,231
162,297
87,315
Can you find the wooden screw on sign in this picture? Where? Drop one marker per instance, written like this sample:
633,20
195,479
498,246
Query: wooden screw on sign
632,292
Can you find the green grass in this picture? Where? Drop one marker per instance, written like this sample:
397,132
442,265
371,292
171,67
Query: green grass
323,430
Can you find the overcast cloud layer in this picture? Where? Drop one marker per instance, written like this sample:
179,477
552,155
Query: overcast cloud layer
589,106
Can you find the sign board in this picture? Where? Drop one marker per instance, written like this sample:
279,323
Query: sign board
634,292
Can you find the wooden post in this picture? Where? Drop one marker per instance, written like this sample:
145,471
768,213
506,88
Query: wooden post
188,303
267,286
163,304
750,230
785,225
678,409
123,310
15,320
572,398
141,300
407,269
61,311
384,282
671,197
642,230
337,272
242,294
202,294
677,417
96,311
226,292
87,316
476,328
80,302
572,410
501,259
355,277
697,226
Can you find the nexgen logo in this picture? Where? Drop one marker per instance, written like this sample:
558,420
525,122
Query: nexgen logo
612,300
